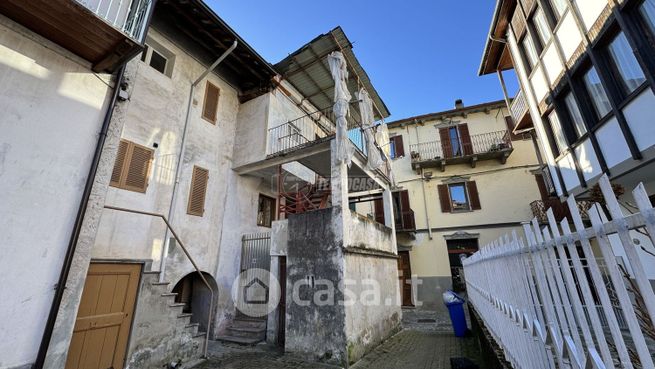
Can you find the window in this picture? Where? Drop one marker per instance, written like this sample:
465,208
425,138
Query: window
157,57
455,141
542,27
575,115
625,63
265,211
198,191
647,11
597,93
210,103
396,146
462,196
530,52
132,167
559,7
558,132
453,138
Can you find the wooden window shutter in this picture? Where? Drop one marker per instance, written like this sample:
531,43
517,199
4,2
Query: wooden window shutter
132,167
198,191
138,168
474,197
444,198
378,206
210,105
399,147
466,139
119,164
404,201
446,147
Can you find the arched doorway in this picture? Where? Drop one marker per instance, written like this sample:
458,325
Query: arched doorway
193,293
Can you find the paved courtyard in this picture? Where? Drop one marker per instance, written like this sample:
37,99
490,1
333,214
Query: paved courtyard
426,342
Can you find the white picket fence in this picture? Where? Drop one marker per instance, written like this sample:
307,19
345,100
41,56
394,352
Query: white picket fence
559,298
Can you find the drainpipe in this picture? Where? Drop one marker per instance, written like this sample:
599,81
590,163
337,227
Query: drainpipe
425,199
77,227
178,169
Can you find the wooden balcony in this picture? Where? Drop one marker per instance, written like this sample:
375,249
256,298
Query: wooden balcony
486,146
405,221
104,32
519,110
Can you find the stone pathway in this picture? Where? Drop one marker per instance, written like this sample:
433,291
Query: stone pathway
426,342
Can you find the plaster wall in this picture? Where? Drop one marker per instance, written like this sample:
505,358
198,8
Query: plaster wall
52,110
590,10
639,116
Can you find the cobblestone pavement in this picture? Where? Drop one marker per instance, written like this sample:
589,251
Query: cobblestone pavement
426,342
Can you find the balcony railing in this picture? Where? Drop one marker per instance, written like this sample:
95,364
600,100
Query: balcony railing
560,210
406,222
129,16
519,107
484,146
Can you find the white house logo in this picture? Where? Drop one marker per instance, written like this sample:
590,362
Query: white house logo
256,292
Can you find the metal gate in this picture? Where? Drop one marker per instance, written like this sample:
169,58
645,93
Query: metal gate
254,278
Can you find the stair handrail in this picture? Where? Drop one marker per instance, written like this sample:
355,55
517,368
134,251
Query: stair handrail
188,255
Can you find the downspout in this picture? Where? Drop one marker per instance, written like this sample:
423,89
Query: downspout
425,199
77,227
178,169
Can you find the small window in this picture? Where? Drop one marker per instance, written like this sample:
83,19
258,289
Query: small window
132,167
558,132
596,91
461,196
575,115
210,104
458,197
265,211
559,7
542,26
530,52
647,11
625,63
198,191
396,147
158,57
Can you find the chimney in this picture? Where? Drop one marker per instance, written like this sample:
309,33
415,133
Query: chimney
459,104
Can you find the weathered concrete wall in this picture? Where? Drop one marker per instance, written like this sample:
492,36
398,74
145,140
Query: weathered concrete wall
159,335
376,314
52,109
251,137
279,246
315,324
368,235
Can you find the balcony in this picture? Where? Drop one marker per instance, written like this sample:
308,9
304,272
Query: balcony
405,222
560,210
486,146
104,32
519,110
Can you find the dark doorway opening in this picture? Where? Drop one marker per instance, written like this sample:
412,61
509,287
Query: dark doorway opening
196,297
456,250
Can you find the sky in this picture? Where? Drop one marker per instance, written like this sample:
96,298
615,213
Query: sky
421,55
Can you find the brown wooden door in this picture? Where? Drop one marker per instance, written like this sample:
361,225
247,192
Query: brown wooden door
104,317
404,278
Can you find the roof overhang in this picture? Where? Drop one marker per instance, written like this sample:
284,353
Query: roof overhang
308,71
194,21
419,119
496,54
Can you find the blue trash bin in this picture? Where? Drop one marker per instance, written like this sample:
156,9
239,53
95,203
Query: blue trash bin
456,311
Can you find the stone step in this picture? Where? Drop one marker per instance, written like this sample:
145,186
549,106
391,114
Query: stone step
168,294
199,334
192,327
243,323
240,340
247,332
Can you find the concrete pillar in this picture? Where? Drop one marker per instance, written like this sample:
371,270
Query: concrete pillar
339,185
387,201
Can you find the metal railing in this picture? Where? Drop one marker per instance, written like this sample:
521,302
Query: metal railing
519,107
478,144
532,293
186,252
129,16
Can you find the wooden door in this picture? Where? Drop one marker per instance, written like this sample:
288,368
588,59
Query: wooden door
104,317
405,278
282,306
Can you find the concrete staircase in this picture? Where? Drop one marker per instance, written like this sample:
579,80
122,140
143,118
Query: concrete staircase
162,333
245,331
